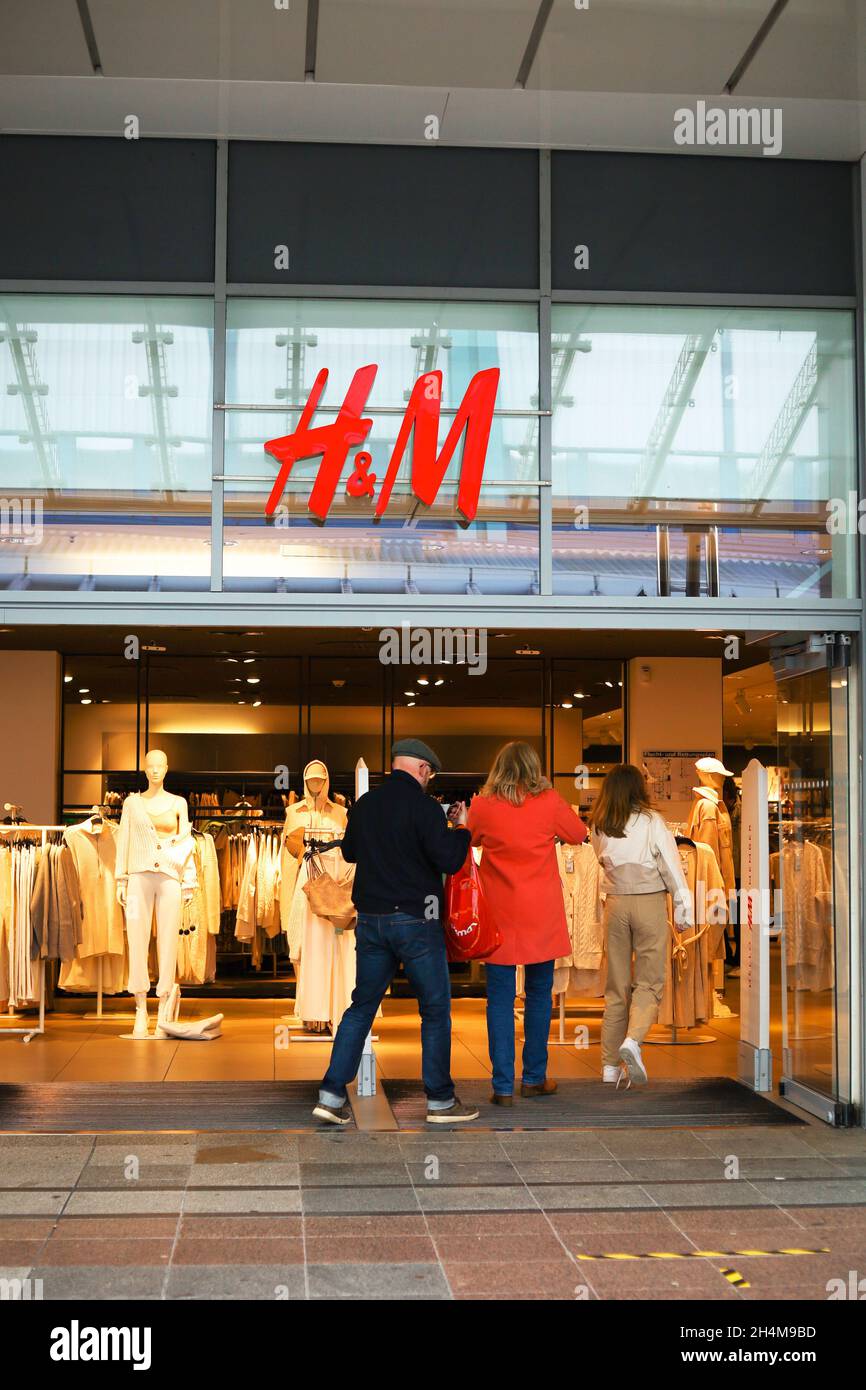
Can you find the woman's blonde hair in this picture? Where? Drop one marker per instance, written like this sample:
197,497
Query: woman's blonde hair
516,774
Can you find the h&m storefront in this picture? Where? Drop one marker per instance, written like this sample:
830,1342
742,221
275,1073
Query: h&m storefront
656,559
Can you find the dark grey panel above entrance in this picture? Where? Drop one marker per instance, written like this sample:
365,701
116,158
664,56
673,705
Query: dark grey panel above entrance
702,224
369,215
88,209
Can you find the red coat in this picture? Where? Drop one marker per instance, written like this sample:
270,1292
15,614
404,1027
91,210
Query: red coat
520,874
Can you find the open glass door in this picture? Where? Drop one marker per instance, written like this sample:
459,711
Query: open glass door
810,868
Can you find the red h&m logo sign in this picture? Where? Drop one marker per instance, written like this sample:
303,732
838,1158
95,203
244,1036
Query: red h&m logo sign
428,468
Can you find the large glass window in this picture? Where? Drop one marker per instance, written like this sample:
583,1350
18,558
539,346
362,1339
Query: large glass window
274,350
105,441
696,451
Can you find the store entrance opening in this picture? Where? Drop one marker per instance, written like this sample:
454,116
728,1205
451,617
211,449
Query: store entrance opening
240,715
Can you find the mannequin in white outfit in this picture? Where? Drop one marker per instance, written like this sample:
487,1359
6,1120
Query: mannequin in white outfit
156,870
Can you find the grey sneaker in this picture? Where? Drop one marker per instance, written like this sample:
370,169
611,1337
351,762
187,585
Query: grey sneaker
333,1114
629,1055
455,1114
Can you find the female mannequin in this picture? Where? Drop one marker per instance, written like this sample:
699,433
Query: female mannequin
155,870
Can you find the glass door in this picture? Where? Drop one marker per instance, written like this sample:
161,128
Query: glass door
810,870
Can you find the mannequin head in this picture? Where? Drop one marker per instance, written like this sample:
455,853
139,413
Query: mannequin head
316,783
155,768
712,773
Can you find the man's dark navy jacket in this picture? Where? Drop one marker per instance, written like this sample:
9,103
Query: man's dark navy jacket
398,838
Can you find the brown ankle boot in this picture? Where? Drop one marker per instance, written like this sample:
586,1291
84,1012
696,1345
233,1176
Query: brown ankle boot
546,1088
501,1100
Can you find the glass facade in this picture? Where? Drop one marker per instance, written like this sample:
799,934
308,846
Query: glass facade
693,451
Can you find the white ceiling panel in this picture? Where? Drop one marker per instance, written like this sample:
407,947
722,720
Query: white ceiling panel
645,45
817,49
238,39
42,38
452,43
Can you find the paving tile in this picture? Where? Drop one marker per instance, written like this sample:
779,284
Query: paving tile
474,1198
240,1227
239,1153
142,1139
848,1167
847,1191
570,1171
551,1278
392,1174
346,1148
25,1227
784,1293
383,1223
239,1201
671,1295
483,1247
322,1200
451,1174
850,1217
76,1283
656,1143
567,1148
806,1270
15,1177
20,1252
629,1278
365,1250
129,1227
159,1203
32,1203
275,1283
216,1250
470,1223
172,1153
245,1175
839,1142
757,1143
103,1177
625,1242
77,1251
438,1146
706,1194
706,1169
652,1224
555,1198
732,1220
32,1143
388,1281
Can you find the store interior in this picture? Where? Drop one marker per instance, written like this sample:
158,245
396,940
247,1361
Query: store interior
239,716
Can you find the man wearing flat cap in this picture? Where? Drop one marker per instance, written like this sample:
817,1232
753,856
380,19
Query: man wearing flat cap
401,845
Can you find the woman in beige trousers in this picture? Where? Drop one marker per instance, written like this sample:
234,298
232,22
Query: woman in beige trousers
641,865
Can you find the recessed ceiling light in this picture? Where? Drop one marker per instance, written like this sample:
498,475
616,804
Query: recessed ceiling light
566,704
423,680
253,680
248,660
408,692
410,704
441,681
87,702
579,695
67,679
256,704
84,690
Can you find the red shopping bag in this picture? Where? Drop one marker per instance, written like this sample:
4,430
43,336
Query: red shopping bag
470,931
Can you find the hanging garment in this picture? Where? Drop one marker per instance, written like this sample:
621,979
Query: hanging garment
245,926
200,918
710,824
55,905
19,864
326,955
580,874
799,872
94,852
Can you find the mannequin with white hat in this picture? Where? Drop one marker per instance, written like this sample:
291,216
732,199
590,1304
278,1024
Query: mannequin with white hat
710,822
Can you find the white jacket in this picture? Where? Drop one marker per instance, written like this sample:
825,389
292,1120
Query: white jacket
645,860
142,849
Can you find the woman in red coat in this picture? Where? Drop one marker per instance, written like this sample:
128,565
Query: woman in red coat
516,819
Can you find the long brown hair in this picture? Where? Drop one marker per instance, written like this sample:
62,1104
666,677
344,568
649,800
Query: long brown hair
623,792
516,774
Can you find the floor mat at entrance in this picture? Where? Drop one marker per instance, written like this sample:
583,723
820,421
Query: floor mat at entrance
714,1101
92,1107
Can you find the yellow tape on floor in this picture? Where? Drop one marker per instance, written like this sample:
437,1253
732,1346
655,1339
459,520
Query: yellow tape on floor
703,1254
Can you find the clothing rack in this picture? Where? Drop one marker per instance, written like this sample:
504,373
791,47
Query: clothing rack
32,1031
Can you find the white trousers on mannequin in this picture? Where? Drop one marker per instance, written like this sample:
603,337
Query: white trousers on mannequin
145,891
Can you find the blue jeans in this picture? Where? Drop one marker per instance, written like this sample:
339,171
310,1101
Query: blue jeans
381,943
536,1023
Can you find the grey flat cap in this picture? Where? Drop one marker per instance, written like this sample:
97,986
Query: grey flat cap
414,748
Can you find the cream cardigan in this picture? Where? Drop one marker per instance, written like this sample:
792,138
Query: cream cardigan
142,849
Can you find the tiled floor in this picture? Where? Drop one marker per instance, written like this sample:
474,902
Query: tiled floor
463,1215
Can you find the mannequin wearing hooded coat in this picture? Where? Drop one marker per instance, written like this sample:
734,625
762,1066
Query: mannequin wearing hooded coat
324,958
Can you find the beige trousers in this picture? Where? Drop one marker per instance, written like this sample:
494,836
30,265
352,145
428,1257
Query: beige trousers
634,924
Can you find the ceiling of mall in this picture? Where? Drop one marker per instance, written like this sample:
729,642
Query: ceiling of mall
814,51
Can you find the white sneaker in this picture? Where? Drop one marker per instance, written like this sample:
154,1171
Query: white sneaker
633,1062
611,1074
